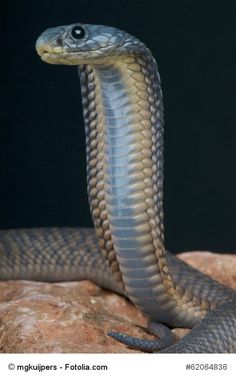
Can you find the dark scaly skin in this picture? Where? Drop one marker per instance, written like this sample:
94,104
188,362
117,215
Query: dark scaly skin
54,254
123,115
214,334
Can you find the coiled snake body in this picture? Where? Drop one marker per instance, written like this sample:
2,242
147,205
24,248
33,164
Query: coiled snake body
123,116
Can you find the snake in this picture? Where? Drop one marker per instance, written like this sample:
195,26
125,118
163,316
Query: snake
125,251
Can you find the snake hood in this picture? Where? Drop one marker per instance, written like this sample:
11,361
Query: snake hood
81,43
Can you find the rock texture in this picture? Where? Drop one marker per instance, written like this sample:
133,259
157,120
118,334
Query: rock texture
221,267
75,317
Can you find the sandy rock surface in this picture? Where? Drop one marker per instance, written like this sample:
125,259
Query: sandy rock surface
75,317
221,267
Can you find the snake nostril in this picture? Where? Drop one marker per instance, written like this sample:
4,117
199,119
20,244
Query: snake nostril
59,41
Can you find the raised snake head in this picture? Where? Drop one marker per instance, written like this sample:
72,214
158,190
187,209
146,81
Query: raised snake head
82,43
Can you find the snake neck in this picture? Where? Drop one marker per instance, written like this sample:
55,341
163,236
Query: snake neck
123,115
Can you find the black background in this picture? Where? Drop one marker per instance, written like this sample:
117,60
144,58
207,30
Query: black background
42,148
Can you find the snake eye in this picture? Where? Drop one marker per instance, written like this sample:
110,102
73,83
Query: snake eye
78,32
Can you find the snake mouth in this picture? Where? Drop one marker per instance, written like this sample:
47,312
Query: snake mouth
57,57
55,54
47,52
49,57
52,55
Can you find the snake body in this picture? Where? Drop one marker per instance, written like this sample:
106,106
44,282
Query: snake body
123,115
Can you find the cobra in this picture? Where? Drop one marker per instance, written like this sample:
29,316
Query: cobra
123,116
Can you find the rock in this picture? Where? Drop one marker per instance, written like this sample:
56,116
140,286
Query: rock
73,317
221,267
67,317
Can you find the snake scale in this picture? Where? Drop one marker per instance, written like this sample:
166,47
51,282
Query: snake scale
123,116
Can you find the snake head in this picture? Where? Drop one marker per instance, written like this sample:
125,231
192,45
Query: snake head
82,43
